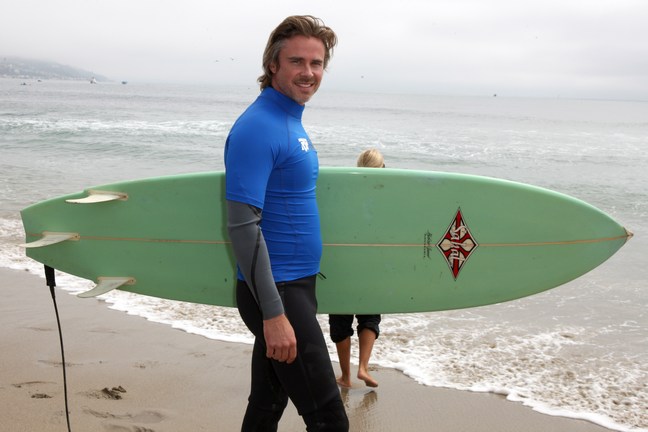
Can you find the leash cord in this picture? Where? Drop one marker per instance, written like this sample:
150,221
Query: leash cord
51,283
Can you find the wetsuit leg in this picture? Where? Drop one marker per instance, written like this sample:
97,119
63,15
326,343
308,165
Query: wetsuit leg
309,381
267,399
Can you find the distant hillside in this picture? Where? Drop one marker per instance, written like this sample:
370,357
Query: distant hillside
16,67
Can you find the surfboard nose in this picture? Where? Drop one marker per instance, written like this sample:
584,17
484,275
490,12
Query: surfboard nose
629,234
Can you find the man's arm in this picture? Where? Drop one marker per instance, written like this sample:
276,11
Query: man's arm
254,262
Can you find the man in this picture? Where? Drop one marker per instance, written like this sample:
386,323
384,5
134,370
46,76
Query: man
273,223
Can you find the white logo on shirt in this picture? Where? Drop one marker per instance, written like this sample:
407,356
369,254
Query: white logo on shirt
304,144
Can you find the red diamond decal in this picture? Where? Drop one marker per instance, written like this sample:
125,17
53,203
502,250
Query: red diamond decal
457,244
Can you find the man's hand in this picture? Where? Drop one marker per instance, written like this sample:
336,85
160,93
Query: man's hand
280,339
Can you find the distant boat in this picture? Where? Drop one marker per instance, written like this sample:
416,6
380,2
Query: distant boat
93,81
124,82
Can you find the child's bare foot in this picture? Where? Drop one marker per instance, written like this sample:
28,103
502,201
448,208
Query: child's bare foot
369,381
344,382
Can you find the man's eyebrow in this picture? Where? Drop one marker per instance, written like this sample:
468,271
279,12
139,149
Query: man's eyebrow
302,58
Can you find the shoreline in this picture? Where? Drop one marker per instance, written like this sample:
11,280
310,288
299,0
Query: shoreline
126,373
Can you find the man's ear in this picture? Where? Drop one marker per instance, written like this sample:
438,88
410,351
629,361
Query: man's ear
273,67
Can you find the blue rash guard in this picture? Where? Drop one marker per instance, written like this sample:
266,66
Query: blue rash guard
271,164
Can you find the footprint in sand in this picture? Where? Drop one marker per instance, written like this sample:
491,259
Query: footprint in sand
114,393
58,363
40,329
31,383
145,365
141,417
35,386
146,417
103,330
117,428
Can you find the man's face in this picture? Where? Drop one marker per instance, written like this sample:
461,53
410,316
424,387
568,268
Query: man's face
300,68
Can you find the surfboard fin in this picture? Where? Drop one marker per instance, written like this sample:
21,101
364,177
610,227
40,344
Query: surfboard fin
97,196
50,238
106,284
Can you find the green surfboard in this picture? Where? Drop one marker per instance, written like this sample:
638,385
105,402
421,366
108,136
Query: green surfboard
394,240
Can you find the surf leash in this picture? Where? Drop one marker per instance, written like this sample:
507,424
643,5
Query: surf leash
51,283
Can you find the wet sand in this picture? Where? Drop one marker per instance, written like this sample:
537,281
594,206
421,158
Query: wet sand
129,374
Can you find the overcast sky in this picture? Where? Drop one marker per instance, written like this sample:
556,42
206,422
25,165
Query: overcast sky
549,48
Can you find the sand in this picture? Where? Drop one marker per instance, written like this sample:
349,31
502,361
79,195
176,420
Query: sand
129,374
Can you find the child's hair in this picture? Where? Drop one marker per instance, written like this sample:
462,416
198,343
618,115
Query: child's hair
371,158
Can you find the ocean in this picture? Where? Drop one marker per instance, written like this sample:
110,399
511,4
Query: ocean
579,350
